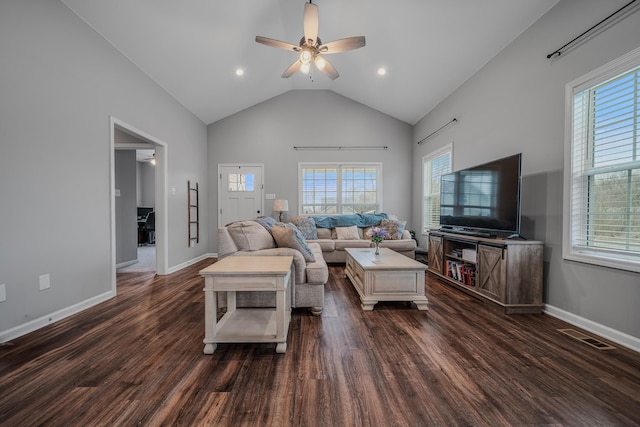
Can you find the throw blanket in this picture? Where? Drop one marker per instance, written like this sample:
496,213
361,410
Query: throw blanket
361,220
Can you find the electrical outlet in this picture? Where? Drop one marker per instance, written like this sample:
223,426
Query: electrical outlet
270,196
45,282
3,293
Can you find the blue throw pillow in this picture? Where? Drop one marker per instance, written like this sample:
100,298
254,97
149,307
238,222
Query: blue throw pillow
307,227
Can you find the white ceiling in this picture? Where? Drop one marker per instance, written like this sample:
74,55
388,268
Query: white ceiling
192,47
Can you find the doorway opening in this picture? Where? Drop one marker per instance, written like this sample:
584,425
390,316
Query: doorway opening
139,208
135,241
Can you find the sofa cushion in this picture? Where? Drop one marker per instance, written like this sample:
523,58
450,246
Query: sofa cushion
317,271
347,233
324,233
288,236
394,228
341,245
327,245
401,245
250,236
306,225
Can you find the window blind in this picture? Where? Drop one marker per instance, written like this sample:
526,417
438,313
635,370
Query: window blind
434,166
339,189
605,173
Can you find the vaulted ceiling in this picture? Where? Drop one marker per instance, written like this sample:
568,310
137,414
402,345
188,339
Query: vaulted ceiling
192,48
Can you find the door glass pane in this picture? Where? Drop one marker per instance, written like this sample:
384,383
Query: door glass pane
240,181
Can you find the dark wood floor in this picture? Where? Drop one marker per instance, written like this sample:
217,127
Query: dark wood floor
137,360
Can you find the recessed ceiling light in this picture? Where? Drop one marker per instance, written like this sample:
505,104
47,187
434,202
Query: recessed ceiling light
239,72
382,71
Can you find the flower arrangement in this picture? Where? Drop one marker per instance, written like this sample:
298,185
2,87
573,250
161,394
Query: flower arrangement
377,235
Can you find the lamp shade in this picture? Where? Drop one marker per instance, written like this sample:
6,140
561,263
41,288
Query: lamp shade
281,205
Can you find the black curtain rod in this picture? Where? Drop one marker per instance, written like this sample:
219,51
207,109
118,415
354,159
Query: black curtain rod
453,121
559,51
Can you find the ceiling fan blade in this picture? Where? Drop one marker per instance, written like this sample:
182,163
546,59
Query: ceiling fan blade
326,68
310,23
292,69
342,45
277,43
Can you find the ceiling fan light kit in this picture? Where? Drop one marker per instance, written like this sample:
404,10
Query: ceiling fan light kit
310,46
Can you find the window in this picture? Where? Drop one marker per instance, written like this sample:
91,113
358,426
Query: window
433,166
602,207
240,182
340,188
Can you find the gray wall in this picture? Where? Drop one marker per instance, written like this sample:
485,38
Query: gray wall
516,104
146,182
126,209
266,133
59,84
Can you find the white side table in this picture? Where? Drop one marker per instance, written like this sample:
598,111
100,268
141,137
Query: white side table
247,325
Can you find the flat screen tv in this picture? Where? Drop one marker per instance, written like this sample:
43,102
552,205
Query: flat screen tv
483,199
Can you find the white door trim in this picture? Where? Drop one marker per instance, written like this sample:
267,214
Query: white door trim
231,165
162,252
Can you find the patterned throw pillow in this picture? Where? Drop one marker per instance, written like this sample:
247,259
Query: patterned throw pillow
307,227
347,233
394,228
288,236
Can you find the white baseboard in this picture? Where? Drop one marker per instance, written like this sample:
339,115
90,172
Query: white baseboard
190,262
48,319
127,263
617,337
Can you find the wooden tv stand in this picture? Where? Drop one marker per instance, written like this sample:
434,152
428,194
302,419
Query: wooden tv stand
505,272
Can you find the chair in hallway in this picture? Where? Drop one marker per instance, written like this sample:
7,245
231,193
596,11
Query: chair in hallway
150,227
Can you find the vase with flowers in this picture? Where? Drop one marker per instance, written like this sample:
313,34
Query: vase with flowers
377,235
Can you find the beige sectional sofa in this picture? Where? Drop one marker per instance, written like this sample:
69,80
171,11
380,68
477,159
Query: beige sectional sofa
333,249
253,238
312,242
336,233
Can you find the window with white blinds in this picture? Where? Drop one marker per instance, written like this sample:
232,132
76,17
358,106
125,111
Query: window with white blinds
327,189
603,208
433,166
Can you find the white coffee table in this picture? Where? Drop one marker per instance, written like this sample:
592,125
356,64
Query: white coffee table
388,276
247,325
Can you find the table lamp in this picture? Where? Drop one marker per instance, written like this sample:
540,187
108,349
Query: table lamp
280,206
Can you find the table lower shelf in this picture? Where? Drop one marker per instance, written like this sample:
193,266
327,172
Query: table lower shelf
248,325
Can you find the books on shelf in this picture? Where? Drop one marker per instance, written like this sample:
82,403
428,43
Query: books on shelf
462,272
456,253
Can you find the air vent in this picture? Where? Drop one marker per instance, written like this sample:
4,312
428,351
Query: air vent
593,342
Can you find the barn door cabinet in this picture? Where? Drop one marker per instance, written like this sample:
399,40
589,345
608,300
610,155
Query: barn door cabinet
505,272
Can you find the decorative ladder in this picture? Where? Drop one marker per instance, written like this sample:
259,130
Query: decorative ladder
194,214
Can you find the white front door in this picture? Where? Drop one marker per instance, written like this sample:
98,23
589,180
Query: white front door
239,193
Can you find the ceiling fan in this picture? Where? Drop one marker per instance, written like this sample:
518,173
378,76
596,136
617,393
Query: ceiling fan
311,48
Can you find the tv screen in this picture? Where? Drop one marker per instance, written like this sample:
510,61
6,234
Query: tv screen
485,197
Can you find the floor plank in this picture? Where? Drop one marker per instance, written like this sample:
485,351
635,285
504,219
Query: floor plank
137,360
